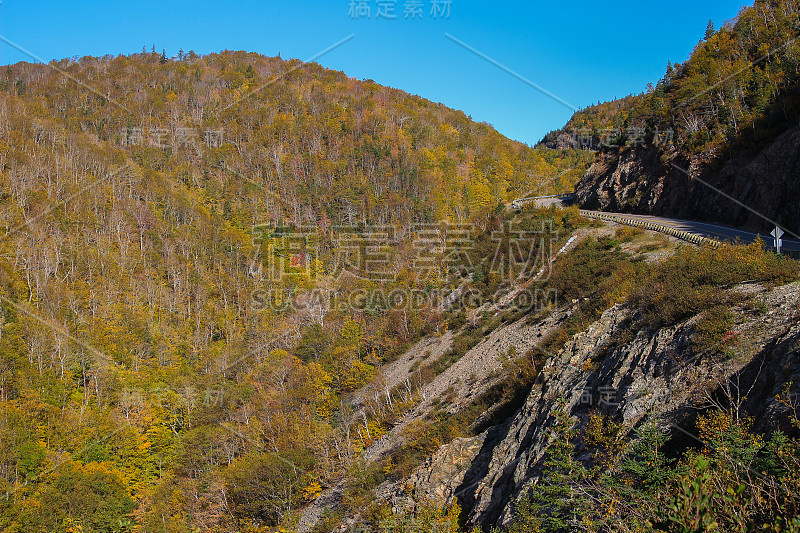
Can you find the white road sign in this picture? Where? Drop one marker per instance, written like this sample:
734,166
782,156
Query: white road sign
777,233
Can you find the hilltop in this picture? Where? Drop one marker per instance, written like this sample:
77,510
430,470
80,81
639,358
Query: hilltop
725,119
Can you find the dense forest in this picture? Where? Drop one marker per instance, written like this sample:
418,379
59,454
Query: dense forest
205,262
737,90
326,146
160,217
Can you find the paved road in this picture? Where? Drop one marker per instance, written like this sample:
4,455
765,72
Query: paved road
703,229
715,231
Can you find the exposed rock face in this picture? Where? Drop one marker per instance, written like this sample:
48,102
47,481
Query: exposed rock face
649,376
444,472
643,180
466,379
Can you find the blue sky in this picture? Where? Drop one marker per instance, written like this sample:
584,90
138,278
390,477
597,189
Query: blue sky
581,52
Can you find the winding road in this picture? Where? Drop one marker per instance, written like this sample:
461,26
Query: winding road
701,229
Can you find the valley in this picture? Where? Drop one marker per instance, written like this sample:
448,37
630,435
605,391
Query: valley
243,293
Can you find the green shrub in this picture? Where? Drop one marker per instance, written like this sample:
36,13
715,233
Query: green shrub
711,328
627,233
695,279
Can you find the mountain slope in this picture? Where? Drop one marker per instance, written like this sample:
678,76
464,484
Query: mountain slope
634,383
726,119
172,235
323,144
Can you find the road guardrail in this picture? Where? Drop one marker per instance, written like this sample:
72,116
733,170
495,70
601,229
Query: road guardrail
628,221
653,226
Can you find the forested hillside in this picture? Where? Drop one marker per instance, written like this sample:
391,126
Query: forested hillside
159,219
324,145
232,284
738,87
727,115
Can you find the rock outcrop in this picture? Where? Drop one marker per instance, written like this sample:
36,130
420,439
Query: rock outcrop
651,180
633,376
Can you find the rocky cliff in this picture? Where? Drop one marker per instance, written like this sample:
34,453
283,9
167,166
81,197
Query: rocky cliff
652,180
631,375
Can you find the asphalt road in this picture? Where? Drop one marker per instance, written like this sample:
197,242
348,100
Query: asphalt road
720,233
703,229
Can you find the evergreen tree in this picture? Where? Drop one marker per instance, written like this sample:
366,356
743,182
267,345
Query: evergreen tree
648,467
555,496
710,30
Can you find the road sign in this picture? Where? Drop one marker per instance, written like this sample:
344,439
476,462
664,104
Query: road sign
777,233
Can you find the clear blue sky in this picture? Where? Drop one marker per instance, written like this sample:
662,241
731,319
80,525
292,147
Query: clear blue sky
580,51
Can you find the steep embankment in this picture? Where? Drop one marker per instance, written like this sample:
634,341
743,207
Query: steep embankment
646,333
630,376
717,132
645,180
